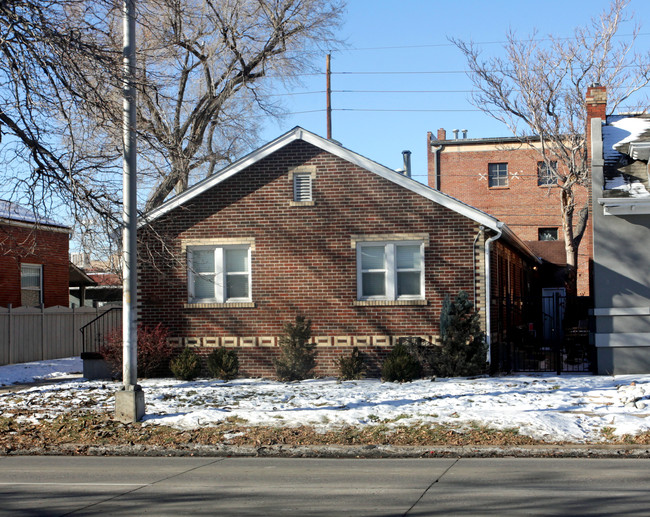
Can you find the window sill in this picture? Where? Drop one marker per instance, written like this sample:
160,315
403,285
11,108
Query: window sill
231,305
551,185
302,203
499,188
380,303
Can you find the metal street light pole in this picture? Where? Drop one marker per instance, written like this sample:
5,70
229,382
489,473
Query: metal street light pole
129,401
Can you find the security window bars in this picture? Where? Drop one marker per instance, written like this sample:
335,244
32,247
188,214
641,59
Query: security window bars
219,274
546,174
390,270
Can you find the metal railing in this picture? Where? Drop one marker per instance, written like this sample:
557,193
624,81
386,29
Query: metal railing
96,332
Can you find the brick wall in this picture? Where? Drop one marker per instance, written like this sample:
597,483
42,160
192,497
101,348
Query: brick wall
522,205
24,245
303,261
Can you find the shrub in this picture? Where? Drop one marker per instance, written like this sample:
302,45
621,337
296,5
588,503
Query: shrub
352,366
153,352
463,350
223,364
297,355
400,366
186,366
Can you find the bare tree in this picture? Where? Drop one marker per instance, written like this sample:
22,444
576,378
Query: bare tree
539,89
205,71
42,84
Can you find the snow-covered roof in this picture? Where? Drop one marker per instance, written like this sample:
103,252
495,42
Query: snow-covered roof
626,145
336,149
15,212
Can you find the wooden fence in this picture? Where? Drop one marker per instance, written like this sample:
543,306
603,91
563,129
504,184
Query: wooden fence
36,334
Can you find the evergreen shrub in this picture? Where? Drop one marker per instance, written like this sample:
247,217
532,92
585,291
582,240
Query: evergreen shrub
400,366
223,364
463,349
297,355
352,367
186,366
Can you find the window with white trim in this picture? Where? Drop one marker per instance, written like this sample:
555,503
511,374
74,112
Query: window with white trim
390,270
302,187
31,285
219,274
497,174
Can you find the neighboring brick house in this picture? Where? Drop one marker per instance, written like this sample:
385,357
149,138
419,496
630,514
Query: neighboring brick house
620,148
507,179
34,265
305,226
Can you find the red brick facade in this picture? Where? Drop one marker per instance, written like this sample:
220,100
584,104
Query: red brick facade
460,168
304,260
23,244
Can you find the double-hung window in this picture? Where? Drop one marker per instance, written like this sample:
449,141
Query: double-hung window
219,274
31,285
497,174
390,270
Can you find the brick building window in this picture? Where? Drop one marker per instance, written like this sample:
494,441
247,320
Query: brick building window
390,270
547,234
546,175
31,285
498,174
219,274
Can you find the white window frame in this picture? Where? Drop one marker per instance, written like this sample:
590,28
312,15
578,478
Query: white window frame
38,289
220,275
390,268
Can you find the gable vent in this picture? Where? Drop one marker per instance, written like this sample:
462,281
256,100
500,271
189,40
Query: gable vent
302,187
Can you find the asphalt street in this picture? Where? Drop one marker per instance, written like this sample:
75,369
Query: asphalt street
63,485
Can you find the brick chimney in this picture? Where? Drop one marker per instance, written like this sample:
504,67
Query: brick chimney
442,134
596,101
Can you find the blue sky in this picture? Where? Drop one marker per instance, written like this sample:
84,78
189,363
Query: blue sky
374,31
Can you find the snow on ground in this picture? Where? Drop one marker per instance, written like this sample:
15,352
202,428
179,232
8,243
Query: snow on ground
570,407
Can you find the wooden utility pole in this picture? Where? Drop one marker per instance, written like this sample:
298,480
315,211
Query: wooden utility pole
329,97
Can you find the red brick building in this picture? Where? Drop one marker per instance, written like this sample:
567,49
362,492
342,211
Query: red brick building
34,265
305,226
507,179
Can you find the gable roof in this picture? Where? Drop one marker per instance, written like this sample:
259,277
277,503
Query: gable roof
338,150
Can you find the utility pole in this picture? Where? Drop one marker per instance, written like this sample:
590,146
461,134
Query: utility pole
129,400
329,97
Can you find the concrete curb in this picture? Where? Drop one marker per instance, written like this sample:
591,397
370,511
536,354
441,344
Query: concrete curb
342,451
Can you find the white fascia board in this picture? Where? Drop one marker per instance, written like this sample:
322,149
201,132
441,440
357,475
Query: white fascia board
622,311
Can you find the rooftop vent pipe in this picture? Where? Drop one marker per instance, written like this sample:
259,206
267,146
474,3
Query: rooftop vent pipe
407,163
455,132
464,133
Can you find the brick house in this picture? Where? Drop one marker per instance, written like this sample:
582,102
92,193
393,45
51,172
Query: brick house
305,226
507,179
34,266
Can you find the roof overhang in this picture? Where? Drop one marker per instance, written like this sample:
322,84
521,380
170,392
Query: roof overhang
625,206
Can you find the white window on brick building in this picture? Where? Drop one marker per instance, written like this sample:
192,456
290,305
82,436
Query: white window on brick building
31,285
390,270
546,174
498,174
219,274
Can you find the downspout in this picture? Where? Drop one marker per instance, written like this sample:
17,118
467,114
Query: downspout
488,287
481,229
